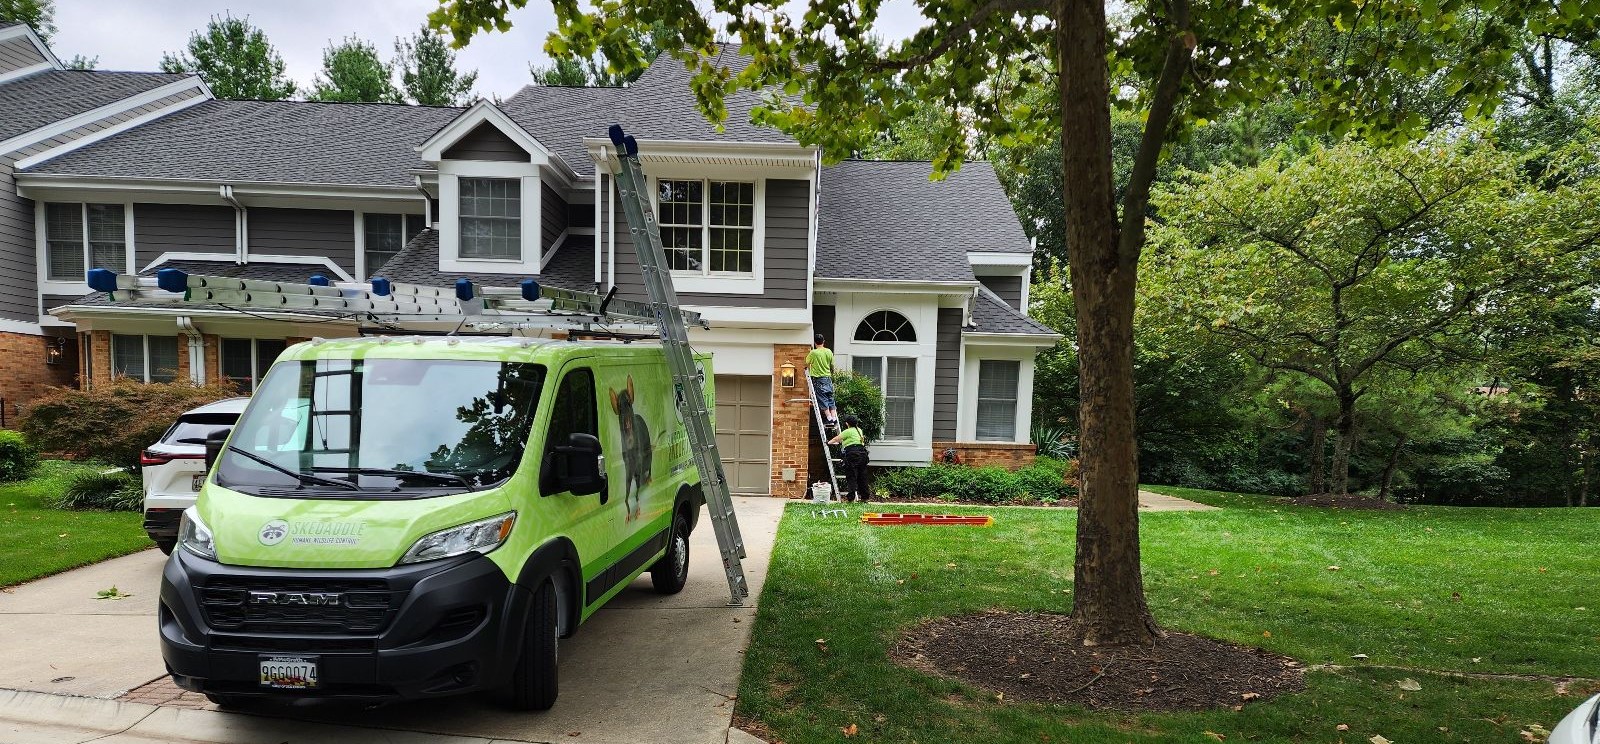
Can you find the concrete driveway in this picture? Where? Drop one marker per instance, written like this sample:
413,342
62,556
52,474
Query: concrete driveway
646,668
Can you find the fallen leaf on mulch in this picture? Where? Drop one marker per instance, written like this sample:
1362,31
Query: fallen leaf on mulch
1250,696
1409,685
850,730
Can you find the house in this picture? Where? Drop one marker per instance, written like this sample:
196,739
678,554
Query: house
920,285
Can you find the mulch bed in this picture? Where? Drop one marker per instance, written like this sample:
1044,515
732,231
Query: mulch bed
1038,658
1331,501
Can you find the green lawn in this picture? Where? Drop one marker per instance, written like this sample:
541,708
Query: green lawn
1255,568
39,541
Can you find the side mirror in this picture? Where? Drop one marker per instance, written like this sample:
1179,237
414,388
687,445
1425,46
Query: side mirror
214,443
577,467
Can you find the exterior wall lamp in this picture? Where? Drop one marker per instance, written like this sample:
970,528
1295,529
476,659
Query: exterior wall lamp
786,374
55,349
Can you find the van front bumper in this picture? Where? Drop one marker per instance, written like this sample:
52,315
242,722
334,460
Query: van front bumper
439,628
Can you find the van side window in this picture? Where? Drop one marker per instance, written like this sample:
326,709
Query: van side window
574,411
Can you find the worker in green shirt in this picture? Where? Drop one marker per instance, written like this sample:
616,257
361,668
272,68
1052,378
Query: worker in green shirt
819,367
854,443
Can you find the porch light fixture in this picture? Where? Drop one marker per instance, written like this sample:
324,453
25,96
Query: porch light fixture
55,349
786,374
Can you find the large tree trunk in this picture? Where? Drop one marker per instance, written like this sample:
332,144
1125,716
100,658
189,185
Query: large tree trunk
1345,428
1108,597
1391,466
1319,453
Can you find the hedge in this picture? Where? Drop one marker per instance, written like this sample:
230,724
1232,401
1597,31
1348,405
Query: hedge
114,420
1048,481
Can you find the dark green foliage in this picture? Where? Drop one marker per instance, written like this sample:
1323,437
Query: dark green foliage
39,14
17,457
352,72
428,73
1049,479
235,59
1054,441
858,396
115,490
113,421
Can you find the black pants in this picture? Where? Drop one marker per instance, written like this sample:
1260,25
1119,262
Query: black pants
855,470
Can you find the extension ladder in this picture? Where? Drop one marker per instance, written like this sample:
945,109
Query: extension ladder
686,377
822,432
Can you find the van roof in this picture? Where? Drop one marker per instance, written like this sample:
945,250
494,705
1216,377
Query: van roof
507,348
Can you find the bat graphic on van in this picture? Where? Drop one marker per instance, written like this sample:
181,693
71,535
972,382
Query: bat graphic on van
636,450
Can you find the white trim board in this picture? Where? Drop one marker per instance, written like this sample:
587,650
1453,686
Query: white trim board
308,261
93,115
85,141
1000,258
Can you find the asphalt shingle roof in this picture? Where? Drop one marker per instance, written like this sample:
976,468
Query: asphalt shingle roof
46,97
418,263
659,105
885,220
364,144
990,314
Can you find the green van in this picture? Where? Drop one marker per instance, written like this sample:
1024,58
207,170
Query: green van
415,517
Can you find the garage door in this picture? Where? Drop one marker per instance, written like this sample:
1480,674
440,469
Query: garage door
744,431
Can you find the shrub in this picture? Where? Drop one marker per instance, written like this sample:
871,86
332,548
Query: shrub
17,457
858,396
1045,483
1054,441
115,420
115,490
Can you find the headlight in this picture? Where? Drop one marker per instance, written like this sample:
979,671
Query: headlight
481,537
195,536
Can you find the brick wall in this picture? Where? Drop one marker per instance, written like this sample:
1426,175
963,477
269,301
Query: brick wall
24,373
791,427
100,357
978,454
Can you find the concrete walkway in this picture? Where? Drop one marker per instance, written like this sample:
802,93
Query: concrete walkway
645,668
1155,502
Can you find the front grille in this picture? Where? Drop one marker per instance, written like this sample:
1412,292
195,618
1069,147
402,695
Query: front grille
363,605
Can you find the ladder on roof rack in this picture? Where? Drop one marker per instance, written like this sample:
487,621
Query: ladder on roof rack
527,306
680,360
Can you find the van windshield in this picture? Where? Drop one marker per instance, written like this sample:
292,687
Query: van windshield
382,428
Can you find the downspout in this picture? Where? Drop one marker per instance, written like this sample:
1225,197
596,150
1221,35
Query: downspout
241,227
197,350
611,232
427,204
968,309
599,244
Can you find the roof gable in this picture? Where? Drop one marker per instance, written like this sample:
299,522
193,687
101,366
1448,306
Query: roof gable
486,142
23,53
470,122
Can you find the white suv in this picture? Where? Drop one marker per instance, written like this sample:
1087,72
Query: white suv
174,467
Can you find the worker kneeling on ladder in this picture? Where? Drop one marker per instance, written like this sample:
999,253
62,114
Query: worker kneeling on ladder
856,459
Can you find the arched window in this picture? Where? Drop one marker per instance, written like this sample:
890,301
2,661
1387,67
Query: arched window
885,325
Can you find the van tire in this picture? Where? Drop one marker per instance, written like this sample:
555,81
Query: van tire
534,683
669,574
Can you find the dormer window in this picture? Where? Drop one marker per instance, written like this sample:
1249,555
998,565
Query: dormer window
707,227
491,218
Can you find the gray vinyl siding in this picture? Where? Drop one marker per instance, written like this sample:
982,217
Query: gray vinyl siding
54,301
304,232
1008,288
553,213
786,253
107,122
486,143
181,228
947,374
18,53
19,286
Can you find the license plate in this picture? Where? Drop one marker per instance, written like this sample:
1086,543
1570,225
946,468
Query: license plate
289,672
199,480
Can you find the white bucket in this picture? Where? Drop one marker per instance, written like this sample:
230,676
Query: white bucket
821,492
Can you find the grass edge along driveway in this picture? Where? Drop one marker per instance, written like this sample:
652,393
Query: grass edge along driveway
1447,589
39,541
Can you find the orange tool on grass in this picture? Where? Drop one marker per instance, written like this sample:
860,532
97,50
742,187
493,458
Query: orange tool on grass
951,519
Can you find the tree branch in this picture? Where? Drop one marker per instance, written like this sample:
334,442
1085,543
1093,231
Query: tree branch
1180,48
957,34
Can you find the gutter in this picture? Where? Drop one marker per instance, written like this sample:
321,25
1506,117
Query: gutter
241,226
427,203
197,350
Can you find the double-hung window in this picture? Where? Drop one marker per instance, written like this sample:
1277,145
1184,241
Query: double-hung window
245,361
491,218
144,358
707,227
997,399
897,378
79,237
382,236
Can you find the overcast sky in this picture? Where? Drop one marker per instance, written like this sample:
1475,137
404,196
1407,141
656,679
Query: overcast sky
133,34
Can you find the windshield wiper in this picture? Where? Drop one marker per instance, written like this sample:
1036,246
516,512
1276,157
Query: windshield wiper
302,476
397,473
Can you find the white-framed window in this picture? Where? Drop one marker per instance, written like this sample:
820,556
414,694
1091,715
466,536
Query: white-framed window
997,399
79,237
897,378
708,227
885,325
246,360
490,218
382,236
144,358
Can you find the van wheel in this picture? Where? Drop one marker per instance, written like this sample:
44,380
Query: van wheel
669,574
533,683
166,545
